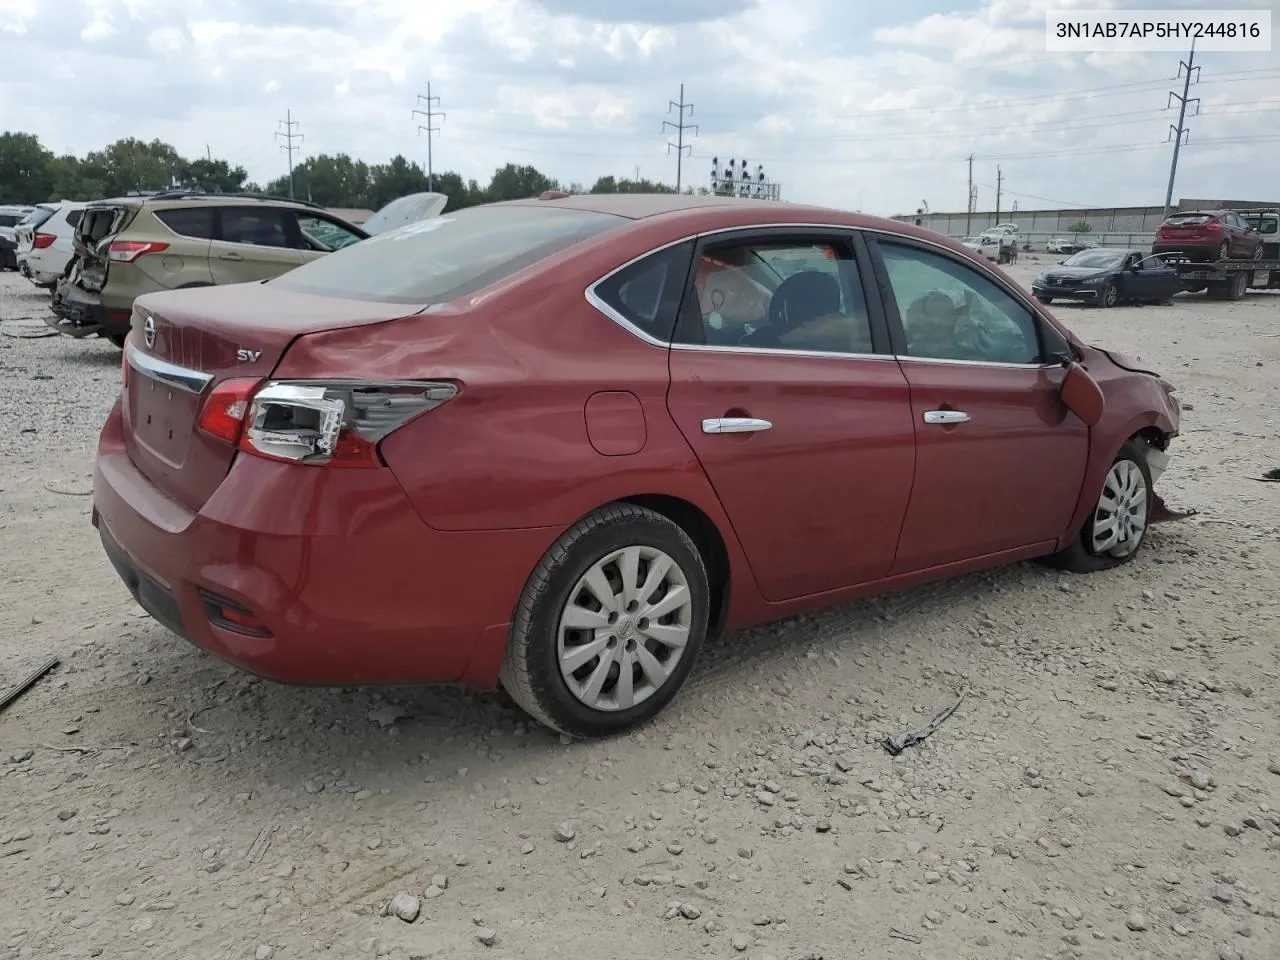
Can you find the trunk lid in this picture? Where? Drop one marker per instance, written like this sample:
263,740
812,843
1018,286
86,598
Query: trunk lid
198,339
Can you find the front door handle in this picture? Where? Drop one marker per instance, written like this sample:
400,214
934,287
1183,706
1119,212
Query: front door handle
945,416
232,256
735,425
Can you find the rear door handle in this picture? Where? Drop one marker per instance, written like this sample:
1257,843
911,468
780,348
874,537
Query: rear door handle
945,416
231,256
735,425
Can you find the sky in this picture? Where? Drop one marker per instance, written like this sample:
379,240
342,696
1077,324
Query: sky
856,104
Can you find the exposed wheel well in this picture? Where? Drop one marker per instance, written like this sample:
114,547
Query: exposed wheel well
706,536
1154,436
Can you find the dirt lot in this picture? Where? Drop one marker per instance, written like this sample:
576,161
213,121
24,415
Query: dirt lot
1109,788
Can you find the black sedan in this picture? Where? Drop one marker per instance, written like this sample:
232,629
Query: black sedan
1107,276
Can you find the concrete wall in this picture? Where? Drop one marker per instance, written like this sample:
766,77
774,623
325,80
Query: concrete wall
1112,226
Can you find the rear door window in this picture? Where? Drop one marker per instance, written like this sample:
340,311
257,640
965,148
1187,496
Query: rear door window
257,226
435,260
194,222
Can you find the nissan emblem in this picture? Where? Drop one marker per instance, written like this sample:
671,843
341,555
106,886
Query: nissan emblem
149,332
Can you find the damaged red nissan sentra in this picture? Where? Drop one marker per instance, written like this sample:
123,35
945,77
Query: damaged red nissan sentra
556,443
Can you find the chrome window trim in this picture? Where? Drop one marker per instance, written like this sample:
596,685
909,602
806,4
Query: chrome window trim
192,381
593,298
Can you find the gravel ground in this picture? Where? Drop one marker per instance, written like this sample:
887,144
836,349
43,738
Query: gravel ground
1105,790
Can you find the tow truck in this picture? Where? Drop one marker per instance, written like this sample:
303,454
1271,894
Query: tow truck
1230,279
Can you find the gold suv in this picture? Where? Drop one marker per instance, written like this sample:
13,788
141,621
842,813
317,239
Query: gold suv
167,241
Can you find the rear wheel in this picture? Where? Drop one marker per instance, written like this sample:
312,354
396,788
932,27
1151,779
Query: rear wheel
609,624
1113,533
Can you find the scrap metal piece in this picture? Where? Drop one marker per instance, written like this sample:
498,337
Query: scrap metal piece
29,682
898,742
1162,513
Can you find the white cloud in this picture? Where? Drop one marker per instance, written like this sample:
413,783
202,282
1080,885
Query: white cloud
840,99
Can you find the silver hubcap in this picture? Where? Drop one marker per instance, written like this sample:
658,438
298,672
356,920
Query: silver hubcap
1120,520
625,628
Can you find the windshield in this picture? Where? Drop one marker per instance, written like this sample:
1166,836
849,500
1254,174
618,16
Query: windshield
435,260
1096,258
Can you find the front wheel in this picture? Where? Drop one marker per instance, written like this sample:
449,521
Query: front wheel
1108,295
1045,300
1117,527
609,623
118,338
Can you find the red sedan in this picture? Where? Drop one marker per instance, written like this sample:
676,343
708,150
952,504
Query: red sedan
556,443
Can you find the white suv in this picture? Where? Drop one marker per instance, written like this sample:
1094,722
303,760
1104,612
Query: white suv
45,242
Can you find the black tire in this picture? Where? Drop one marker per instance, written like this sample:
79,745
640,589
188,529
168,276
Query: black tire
1079,556
1197,287
1257,253
1045,300
530,668
1224,251
117,338
1109,295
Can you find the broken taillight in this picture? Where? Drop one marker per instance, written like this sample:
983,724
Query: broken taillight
127,251
319,423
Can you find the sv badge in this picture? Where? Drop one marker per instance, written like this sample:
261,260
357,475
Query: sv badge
248,356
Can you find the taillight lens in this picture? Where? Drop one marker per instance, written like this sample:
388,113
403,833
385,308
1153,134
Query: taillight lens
223,413
319,423
42,240
127,251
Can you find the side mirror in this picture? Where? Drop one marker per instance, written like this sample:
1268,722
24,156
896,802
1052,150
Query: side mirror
1082,395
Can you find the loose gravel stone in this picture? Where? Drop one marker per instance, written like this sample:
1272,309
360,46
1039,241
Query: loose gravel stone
565,832
1136,921
405,906
486,936
264,952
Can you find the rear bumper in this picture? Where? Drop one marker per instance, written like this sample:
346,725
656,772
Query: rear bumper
34,271
79,313
347,583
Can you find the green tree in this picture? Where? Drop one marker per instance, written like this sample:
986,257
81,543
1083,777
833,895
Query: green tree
214,176
1079,227
25,175
132,164
514,182
611,184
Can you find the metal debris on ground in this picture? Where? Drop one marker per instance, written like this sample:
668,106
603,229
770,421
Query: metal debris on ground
896,743
1271,476
29,682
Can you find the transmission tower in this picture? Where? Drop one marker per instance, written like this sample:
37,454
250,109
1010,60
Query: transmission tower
288,135
680,146
429,128
1176,134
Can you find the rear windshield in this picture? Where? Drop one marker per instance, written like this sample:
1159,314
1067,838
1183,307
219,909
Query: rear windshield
435,260
1188,219
37,216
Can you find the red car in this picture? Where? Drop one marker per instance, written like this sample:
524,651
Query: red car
1210,235
557,443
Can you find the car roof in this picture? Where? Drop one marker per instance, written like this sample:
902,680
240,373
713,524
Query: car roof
727,212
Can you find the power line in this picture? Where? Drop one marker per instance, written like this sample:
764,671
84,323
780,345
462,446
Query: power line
430,113
680,146
288,135
1180,129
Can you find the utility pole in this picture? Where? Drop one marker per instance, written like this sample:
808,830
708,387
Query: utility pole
1176,133
288,136
968,208
680,146
999,186
430,113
